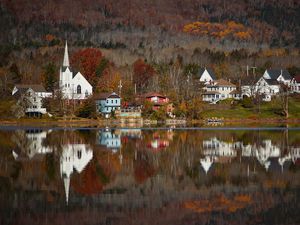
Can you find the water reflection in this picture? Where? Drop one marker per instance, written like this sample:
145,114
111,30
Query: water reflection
141,169
265,152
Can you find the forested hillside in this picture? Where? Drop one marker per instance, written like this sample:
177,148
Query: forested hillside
156,44
272,22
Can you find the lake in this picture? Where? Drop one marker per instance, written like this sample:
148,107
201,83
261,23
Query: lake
150,176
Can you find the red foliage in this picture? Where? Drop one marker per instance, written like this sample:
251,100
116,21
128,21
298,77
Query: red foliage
142,72
86,61
143,170
87,182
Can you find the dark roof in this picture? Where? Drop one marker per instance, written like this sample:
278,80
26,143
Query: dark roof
211,73
64,68
102,96
34,87
272,82
220,82
154,94
297,78
235,92
275,73
211,93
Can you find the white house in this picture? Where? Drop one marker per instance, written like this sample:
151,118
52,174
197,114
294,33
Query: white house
73,157
73,84
219,90
268,85
32,96
295,84
206,76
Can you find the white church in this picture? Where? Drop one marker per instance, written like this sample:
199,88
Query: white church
73,84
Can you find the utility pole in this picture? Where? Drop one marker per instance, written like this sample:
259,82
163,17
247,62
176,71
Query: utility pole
120,87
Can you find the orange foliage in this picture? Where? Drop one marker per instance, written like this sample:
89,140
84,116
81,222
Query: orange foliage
49,37
218,30
220,203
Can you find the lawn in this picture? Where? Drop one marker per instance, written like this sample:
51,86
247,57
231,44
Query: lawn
267,110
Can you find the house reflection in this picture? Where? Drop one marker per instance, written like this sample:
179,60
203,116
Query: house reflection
160,140
31,142
265,152
110,138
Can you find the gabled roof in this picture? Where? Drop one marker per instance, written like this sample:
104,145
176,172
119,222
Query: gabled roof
34,87
221,82
272,82
103,96
211,73
275,73
64,68
297,78
154,94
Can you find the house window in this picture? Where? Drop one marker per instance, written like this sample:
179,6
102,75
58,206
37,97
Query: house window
107,101
78,89
116,101
65,85
112,101
86,93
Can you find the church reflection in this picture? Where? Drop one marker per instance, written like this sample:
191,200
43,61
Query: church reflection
76,151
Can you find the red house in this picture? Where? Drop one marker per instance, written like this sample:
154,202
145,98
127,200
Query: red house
156,99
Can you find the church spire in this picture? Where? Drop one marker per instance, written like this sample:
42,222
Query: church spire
66,56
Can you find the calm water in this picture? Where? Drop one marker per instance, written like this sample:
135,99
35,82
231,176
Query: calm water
164,176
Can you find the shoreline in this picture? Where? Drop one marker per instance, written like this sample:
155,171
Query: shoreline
117,123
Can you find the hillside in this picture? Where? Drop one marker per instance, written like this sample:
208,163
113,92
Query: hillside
273,22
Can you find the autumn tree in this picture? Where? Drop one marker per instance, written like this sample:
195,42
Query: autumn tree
88,61
142,73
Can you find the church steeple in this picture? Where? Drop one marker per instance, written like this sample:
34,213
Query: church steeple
66,56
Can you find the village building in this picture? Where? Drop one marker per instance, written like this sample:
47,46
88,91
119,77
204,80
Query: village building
73,84
295,84
107,103
219,90
268,85
158,101
31,96
206,76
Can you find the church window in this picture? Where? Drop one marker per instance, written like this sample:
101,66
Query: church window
79,154
78,89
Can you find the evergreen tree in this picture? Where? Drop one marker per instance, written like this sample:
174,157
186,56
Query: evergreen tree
49,77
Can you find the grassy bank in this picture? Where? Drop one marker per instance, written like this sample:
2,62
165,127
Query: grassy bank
266,111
